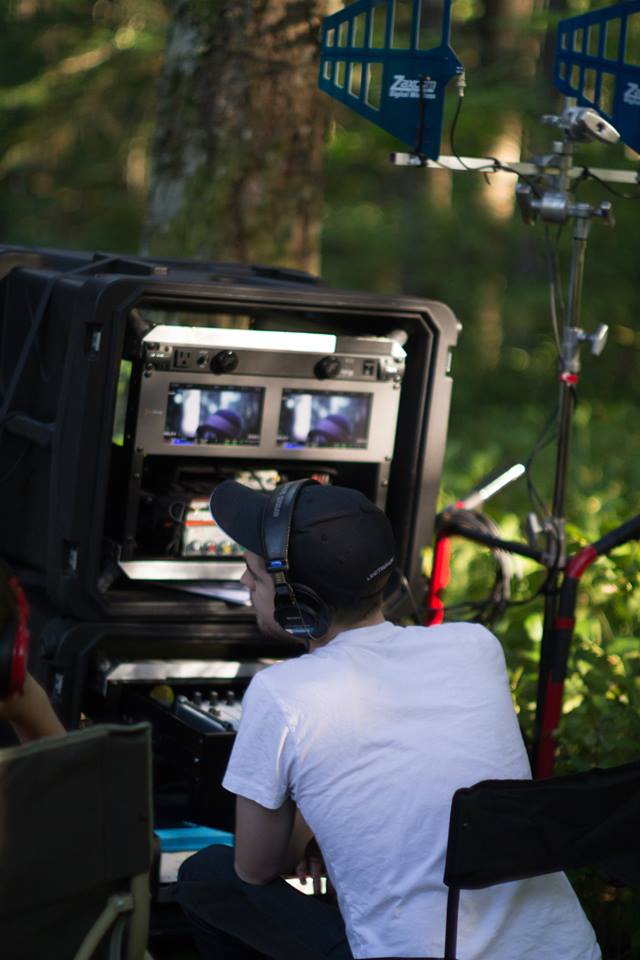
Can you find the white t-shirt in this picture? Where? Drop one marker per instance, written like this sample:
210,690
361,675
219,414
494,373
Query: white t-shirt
371,735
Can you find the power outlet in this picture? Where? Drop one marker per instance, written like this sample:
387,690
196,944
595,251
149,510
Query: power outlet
182,358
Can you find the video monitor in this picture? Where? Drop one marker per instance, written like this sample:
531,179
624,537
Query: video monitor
225,415
322,418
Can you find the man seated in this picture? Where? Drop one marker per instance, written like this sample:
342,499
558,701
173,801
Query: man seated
360,743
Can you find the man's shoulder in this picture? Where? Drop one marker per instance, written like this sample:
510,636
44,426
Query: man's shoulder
289,686
283,673
468,631
462,631
471,642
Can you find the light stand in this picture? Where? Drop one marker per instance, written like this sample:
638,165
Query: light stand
556,205
545,194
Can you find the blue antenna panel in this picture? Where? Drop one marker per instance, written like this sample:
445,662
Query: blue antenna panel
598,63
390,61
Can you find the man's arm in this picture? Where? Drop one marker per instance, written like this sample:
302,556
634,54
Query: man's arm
30,713
268,842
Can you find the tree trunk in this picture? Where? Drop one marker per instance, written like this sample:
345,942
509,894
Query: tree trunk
238,149
505,36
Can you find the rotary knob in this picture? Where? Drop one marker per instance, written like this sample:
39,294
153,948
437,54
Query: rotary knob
327,368
224,362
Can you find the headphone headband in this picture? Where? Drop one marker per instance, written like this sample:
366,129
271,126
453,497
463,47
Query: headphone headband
276,524
297,608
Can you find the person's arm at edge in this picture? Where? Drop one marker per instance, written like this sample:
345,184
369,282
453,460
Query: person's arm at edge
268,842
30,713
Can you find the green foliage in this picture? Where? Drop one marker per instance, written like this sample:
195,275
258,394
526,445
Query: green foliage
76,110
602,687
600,723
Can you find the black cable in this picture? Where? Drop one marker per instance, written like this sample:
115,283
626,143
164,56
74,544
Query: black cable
488,610
563,309
465,522
404,583
496,166
395,594
531,183
452,133
541,589
496,606
541,442
470,605
612,190
417,150
555,288
582,178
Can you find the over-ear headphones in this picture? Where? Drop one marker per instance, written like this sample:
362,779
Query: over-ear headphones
14,633
298,609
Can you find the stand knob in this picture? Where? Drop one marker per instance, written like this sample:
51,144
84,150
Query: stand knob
599,339
605,212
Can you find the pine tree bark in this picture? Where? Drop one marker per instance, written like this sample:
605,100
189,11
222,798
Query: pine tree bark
236,169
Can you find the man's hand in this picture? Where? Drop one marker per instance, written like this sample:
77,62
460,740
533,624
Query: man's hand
30,713
312,865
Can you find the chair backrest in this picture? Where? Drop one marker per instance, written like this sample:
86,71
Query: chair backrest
502,830
75,843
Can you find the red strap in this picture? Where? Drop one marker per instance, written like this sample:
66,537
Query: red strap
550,721
20,653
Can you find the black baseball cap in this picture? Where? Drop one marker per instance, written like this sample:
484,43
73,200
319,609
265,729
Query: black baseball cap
341,545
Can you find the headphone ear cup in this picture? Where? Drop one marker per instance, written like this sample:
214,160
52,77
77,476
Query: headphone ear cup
14,633
8,624
308,618
7,646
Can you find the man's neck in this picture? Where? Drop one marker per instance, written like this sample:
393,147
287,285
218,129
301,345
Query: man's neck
369,621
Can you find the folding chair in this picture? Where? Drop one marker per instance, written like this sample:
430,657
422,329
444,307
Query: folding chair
76,845
503,830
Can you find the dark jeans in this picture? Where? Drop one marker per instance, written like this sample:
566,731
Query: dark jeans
234,920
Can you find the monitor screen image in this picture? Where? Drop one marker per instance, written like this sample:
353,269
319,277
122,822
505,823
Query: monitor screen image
319,418
222,415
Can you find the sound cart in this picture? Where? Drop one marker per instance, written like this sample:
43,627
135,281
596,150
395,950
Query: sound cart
129,388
